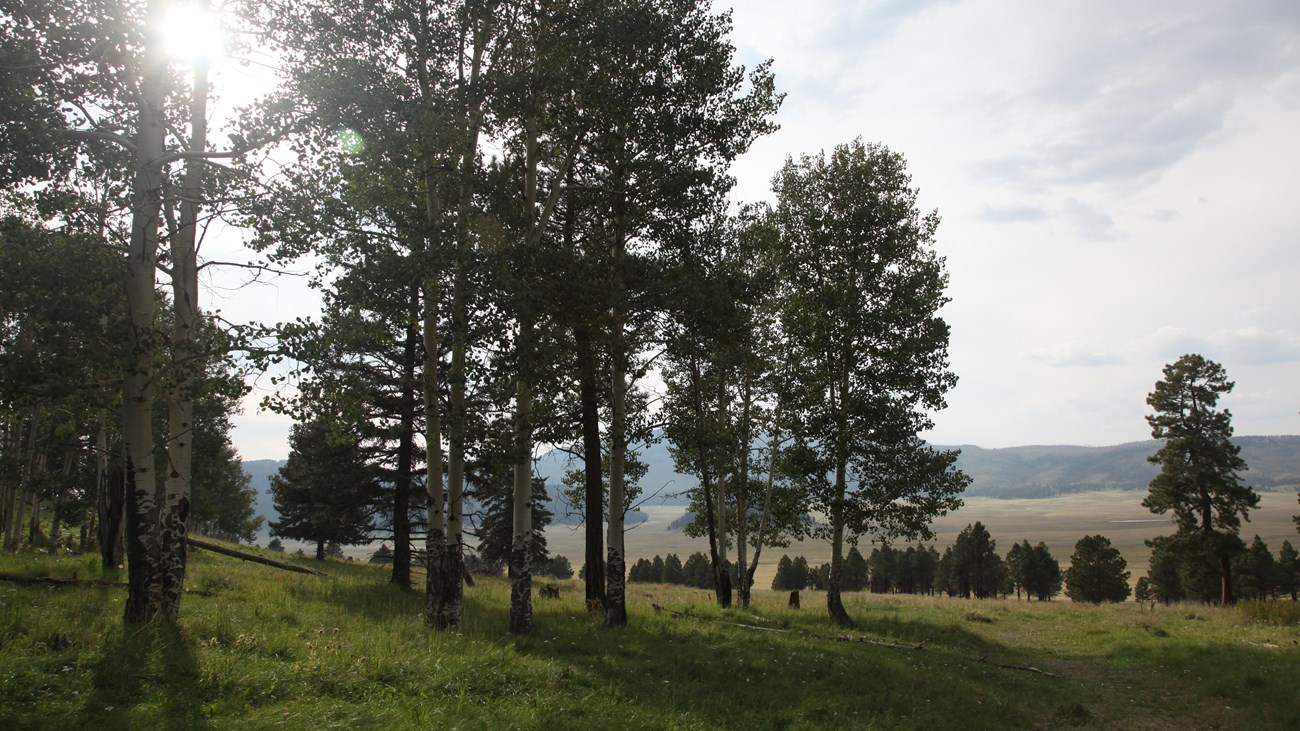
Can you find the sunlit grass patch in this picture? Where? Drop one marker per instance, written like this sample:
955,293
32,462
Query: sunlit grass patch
266,648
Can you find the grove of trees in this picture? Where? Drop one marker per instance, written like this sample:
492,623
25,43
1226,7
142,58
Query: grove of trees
515,212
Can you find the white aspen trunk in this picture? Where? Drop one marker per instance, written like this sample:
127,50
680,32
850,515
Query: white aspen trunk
144,592
521,582
521,578
435,541
187,360
480,29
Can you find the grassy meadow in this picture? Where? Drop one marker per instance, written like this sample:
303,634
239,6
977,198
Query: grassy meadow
260,648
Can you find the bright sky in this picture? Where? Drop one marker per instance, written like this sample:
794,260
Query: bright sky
1118,183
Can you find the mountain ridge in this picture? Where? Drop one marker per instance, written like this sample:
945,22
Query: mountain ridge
1029,471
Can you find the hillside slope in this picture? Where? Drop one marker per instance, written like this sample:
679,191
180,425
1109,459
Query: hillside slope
1012,472
1043,471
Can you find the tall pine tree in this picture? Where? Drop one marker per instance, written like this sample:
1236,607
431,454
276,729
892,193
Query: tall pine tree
1199,464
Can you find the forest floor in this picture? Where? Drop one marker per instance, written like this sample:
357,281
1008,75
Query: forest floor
259,647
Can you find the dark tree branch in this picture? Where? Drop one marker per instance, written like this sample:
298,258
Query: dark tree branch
92,134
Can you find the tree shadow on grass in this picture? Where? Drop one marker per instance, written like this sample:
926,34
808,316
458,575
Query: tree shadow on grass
703,669
375,601
146,673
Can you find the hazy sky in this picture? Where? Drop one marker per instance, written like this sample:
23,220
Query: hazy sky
1119,184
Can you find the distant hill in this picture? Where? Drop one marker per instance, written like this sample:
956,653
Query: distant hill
550,466
660,485
259,473
1013,472
1044,471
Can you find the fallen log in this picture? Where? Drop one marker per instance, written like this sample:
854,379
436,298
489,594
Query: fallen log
58,582
53,581
753,626
881,643
244,556
1026,668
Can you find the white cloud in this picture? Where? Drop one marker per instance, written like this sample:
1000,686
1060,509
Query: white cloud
1013,213
1089,222
1074,355
1246,346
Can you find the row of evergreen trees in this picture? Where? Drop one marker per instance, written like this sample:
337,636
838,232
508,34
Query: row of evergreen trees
696,572
1186,567
971,567
1181,569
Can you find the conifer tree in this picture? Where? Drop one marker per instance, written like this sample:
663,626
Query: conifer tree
1199,464
1097,573
1044,577
784,579
672,573
1255,571
325,492
1288,570
855,571
801,574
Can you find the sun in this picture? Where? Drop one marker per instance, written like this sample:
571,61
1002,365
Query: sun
193,33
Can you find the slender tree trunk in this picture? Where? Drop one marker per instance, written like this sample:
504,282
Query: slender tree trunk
761,536
56,524
453,584
722,569
435,543
742,494
144,593
320,550
7,491
27,466
615,563
834,603
767,503
187,360
112,521
521,578
6,488
34,522
1225,566
401,574
435,537
706,480
521,602
594,502
521,581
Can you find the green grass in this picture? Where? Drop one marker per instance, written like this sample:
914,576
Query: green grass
262,648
